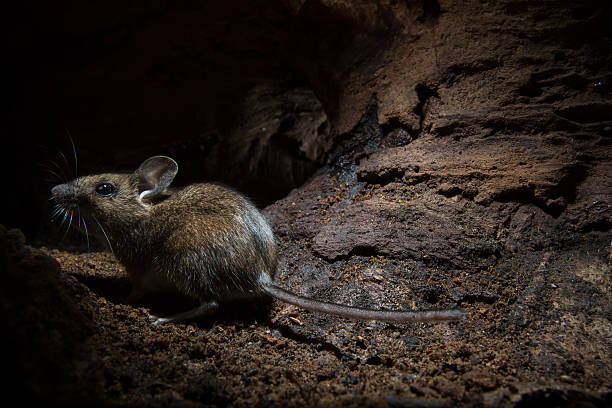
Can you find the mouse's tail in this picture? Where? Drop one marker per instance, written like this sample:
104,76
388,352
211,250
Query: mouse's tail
360,313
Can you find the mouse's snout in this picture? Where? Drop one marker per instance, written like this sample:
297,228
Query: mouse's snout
63,193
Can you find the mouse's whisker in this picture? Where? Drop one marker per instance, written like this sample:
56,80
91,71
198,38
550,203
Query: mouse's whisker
86,233
76,167
81,219
104,232
66,213
51,177
64,158
55,215
62,175
70,220
55,210
55,173
65,216
63,170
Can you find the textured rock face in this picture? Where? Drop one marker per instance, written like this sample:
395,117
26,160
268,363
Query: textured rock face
281,138
457,154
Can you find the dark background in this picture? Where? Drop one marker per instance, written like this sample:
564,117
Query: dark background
186,79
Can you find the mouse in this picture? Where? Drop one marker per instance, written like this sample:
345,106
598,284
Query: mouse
205,241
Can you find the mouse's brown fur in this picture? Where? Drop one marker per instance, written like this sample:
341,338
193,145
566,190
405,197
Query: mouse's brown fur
205,241
229,247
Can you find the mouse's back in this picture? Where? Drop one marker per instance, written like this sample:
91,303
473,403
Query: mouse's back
212,241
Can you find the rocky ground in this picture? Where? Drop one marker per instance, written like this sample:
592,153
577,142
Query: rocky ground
467,165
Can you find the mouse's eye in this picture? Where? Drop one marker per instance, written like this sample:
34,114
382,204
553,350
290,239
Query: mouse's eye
105,189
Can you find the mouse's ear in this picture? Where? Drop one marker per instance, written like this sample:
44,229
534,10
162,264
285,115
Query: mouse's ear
154,175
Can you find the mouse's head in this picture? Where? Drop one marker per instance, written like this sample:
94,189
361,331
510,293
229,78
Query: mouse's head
113,198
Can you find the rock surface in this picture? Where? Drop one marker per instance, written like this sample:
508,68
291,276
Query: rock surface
462,155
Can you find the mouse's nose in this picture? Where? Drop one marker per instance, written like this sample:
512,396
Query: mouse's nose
55,191
60,192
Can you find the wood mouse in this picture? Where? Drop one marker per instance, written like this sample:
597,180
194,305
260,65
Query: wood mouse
205,241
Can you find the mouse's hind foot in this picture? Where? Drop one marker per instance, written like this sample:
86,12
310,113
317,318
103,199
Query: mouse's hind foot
205,309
